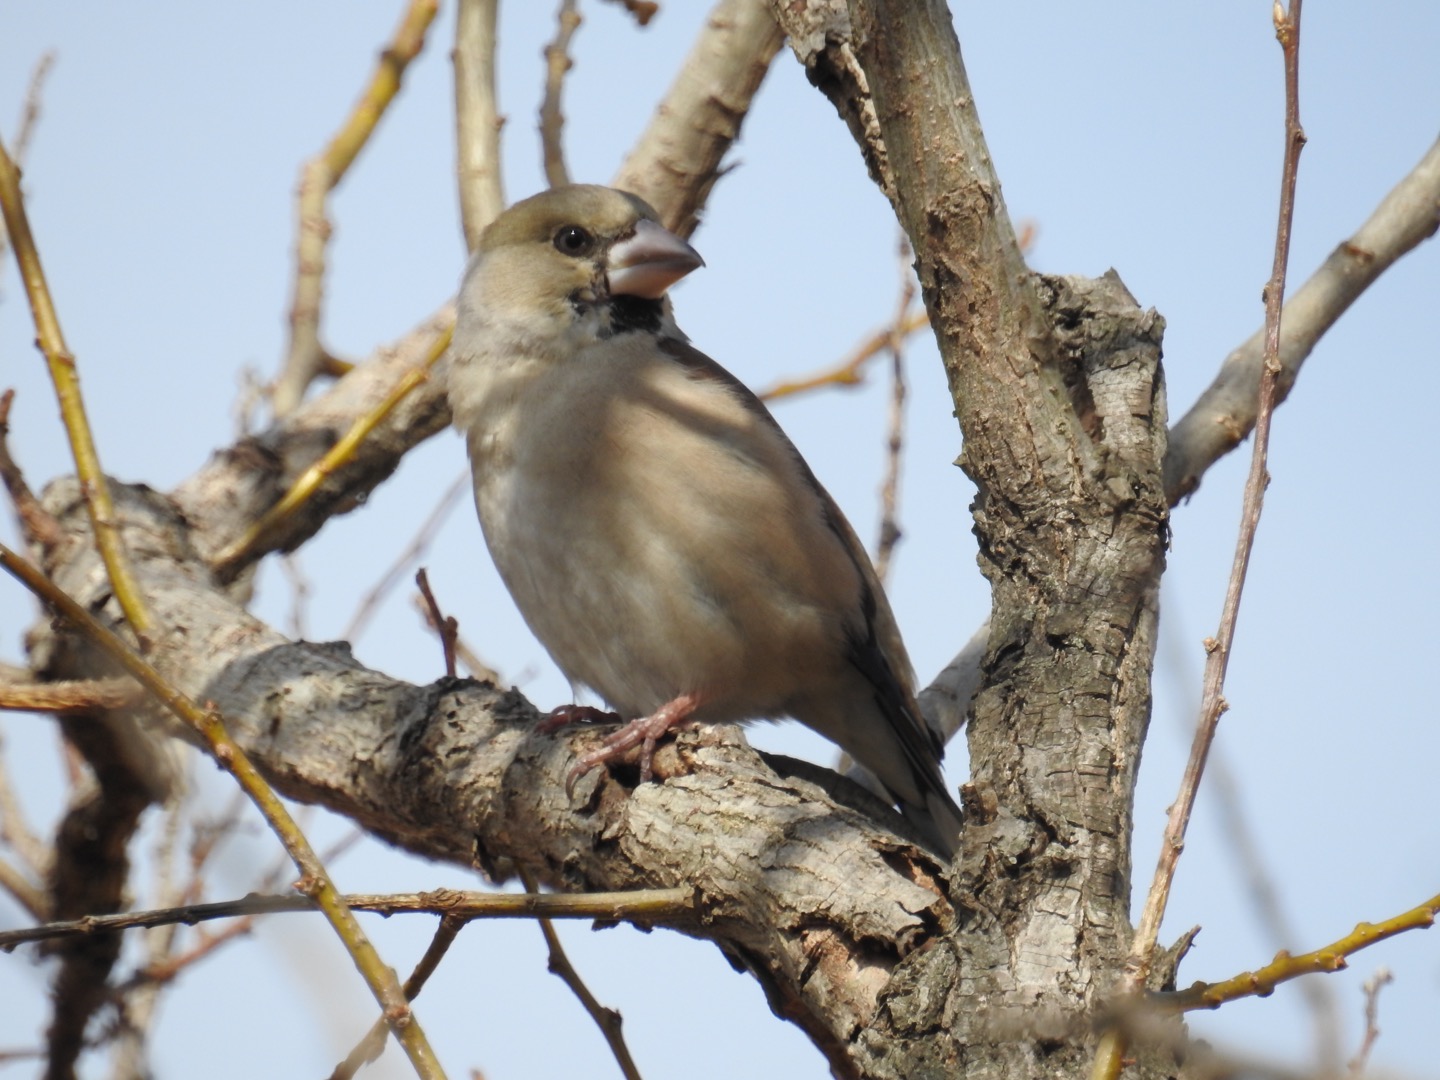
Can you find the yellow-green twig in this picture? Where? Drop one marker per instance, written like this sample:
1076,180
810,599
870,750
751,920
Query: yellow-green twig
306,357
66,378
314,880
1284,967
228,561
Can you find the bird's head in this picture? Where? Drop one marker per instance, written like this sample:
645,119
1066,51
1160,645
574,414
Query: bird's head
575,256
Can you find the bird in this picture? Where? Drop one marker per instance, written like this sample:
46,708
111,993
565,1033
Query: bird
658,531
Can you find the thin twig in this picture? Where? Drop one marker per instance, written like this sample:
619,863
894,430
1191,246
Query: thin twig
66,378
1225,413
606,1019
1142,948
37,524
413,553
314,880
299,593
166,970
552,120
850,370
318,178
70,697
639,905
29,120
895,438
369,1048
23,891
448,628
135,1003
229,560
1373,986
1254,868
467,656
15,831
477,118
1332,957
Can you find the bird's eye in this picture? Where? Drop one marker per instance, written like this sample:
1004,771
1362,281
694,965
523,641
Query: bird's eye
573,240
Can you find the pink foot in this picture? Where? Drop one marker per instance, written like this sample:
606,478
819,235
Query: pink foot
565,715
643,732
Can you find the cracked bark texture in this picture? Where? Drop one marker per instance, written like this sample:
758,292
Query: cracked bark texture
894,966
1059,395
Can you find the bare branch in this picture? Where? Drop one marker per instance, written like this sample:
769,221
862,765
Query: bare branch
66,379
477,667
674,905
445,626
890,487
820,36
29,121
306,357
1373,986
370,1047
477,118
413,553
241,482
606,1019
315,881
243,550
850,370
70,696
552,120
1225,412
1142,947
38,527
677,160
1284,967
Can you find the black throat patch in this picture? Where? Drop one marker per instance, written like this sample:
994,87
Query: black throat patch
628,313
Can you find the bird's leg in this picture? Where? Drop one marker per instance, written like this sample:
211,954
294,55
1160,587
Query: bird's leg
565,715
642,732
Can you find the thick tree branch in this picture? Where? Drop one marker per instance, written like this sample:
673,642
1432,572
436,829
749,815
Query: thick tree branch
820,902
673,165
677,160
819,35
1058,392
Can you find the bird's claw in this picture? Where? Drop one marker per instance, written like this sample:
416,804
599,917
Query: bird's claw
644,732
565,715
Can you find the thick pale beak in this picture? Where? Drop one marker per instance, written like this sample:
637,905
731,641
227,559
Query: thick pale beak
650,261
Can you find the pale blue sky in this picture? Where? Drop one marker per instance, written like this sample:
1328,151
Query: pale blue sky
1140,136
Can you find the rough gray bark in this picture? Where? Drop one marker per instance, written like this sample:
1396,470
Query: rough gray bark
893,965
1059,394
848,928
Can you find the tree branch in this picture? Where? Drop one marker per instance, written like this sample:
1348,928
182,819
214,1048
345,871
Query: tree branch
677,160
1225,413
815,898
305,357
477,118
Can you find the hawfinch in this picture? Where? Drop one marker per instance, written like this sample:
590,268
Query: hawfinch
662,537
